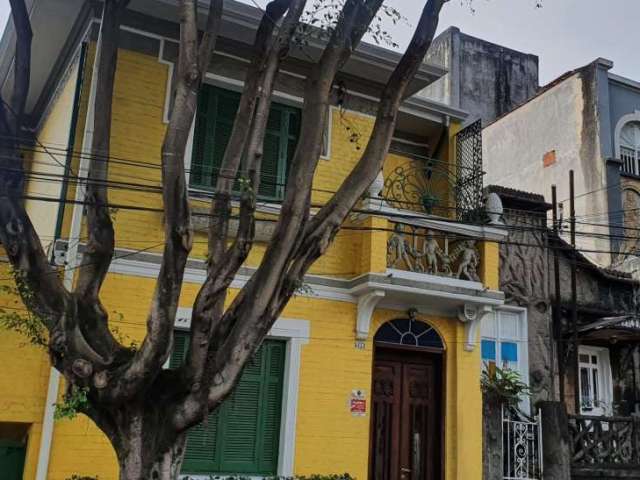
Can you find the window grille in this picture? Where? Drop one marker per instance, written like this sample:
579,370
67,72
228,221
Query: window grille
629,159
629,142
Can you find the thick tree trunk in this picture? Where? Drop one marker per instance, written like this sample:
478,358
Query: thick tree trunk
146,446
168,466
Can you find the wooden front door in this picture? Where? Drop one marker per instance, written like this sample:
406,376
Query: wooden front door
406,416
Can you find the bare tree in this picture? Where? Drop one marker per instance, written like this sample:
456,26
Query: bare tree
144,409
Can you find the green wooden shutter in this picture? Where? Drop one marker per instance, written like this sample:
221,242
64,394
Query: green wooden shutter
242,436
180,347
272,401
12,455
214,121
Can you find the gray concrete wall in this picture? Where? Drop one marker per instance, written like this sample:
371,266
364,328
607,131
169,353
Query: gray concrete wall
484,79
561,122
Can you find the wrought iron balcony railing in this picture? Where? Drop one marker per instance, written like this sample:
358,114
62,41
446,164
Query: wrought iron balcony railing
451,189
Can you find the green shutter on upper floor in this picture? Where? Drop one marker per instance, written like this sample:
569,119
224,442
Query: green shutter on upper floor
214,121
242,436
180,346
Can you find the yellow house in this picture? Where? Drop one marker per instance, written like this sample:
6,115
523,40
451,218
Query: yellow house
373,368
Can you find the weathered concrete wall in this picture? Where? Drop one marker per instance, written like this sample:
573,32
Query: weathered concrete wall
536,145
524,278
485,79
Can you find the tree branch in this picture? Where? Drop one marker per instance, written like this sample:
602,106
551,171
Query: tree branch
246,322
325,224
101,243
46,295
295,208
246,139
254,310
156,347
22,68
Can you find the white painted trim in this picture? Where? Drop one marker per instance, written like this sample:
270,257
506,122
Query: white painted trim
329,129
437,279
237,85
426,292
44,453
169,83
630,117
138,268
606,379
296,333
188,151
523,345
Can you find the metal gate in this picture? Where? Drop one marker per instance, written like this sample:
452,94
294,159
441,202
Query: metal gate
521,445
469,172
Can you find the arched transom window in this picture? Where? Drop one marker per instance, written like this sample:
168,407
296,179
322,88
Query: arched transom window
630,148
409,332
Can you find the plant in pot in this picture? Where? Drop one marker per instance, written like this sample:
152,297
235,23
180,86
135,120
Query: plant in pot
429,201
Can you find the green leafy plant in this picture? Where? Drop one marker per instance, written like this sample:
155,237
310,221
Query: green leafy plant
75,400
504,384
17,318
429,201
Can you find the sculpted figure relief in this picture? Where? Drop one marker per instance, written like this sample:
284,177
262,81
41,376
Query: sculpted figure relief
431,257
469,262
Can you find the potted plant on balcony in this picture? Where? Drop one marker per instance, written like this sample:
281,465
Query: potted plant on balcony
429,201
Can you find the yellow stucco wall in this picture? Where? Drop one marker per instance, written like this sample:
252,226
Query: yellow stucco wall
23,377
48,158
328,438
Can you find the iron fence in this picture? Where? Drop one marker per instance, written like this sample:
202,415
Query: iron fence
521,445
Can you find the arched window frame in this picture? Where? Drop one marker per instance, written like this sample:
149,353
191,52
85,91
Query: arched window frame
432,338
628,154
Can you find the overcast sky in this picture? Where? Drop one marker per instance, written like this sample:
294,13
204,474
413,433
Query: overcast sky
565,34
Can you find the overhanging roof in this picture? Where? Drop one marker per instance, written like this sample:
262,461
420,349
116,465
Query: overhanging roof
55,22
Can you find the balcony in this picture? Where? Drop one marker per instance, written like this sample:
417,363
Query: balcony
431,244
604,446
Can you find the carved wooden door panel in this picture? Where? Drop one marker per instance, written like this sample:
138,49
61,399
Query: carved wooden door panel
385,418
406,418
418,433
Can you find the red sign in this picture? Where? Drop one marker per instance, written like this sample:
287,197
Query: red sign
358,403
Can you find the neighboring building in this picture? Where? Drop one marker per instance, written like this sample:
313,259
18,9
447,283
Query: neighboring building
320,395
484,79
608,337
587,120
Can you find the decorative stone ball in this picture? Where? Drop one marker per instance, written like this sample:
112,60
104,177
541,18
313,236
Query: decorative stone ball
494,209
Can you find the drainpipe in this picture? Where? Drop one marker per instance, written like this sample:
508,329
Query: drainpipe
70,265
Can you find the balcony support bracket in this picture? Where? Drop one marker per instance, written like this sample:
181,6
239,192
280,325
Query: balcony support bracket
366,305
471,316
